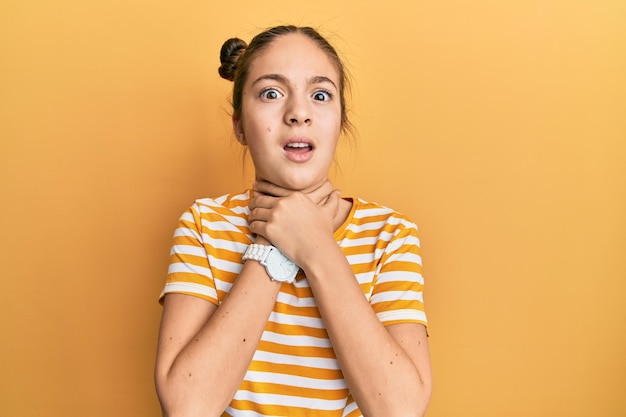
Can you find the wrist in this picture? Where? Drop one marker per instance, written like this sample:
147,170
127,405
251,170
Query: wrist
278,266
323,257
262,241
254,272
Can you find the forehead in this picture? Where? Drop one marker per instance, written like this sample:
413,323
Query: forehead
294,56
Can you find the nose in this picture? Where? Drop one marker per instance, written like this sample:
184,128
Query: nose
298,111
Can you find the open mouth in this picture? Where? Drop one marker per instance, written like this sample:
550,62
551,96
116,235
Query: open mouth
298,147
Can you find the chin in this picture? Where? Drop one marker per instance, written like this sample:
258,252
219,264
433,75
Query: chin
300,184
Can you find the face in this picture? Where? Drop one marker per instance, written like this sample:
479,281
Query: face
291,113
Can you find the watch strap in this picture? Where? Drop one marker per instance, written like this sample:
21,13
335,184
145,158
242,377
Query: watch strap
256,252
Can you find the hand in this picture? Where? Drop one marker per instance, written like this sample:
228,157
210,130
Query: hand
297,223
318,195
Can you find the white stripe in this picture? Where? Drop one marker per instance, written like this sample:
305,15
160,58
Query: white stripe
241,197
396,244
219,226
382,235
402,276
364,258
387,296
302,283
224,286
405,257
370,212
186,232
229,245
365,227
296,320
187,268
365,277
188,250
190,287
405,314
294,380
294,301
187,217
206,205
401,221
412,239
211,202
245,413
235,219
223,265
290,401
241,210
306,361
363,241
349,408
218,201
385,236
290,340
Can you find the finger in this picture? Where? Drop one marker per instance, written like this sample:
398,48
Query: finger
332,203
258,228
261,200
262,240
333,206
321,193
270,189
259,214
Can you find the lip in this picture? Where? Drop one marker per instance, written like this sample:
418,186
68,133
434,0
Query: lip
299,149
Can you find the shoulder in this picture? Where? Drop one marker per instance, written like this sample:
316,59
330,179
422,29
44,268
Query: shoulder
234,202
371,212
225,205
216,213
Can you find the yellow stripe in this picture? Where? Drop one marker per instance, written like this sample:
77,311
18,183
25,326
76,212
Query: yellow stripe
271,388
304,351
398,228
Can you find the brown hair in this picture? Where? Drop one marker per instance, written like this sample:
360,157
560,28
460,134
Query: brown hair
236,57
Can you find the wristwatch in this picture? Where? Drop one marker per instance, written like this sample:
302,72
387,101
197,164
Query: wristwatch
278,266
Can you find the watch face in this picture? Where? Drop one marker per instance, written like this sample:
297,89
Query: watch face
279,267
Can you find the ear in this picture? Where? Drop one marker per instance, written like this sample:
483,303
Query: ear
238,129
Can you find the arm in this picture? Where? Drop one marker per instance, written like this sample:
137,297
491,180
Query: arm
204,350
397,355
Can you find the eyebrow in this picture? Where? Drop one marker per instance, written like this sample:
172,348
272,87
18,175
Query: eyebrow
317,79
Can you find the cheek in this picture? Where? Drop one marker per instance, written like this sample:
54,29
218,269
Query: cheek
256,154
335,127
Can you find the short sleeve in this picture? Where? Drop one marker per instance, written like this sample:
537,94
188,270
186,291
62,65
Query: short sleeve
189,271
397,296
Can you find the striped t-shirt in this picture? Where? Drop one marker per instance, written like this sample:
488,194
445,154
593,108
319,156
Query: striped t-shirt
294,371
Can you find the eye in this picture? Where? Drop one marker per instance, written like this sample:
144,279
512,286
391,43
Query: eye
270,94
322,95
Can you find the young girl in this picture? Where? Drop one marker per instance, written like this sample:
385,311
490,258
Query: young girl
285,299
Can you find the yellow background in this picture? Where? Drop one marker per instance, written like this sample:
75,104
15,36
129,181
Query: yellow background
498,126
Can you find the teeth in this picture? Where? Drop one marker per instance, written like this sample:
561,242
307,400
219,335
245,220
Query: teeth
298,145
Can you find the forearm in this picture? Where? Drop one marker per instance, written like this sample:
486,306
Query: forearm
381,376
206,372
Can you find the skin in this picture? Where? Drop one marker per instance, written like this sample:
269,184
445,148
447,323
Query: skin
290,96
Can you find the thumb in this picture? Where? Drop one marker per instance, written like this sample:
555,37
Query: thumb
332,202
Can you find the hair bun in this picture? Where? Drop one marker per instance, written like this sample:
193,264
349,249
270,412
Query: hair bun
229,55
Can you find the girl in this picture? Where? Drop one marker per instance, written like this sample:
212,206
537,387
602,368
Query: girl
287,300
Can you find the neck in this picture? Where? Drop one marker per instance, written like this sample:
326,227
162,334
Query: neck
306,190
